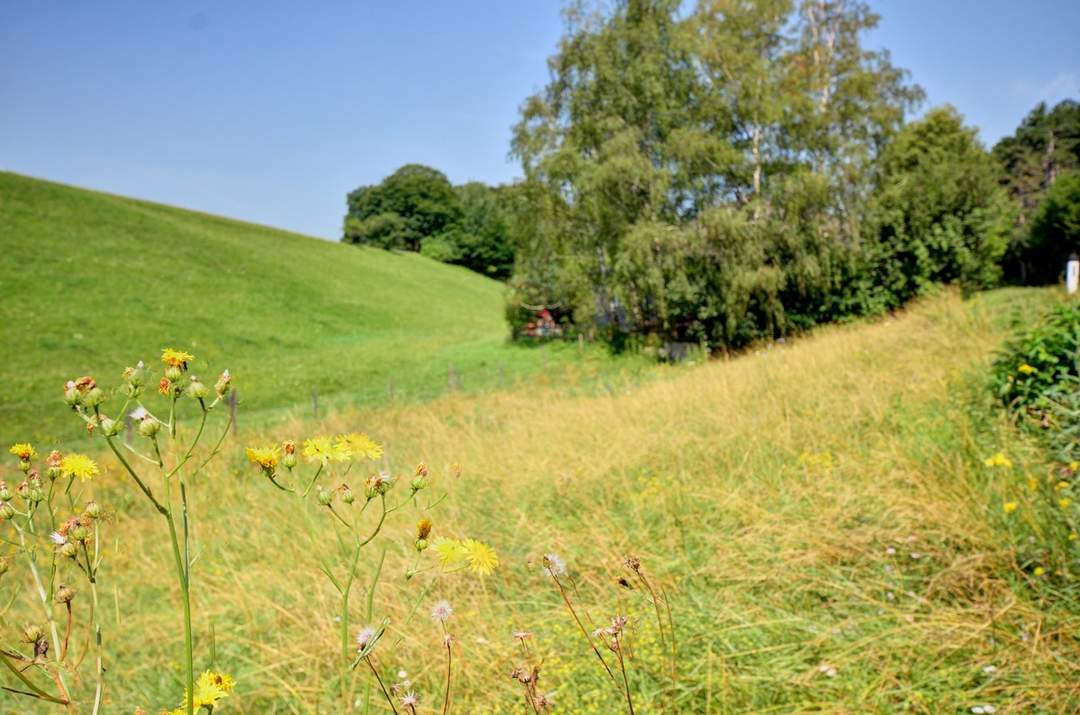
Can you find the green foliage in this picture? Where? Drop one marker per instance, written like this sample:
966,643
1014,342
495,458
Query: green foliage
1039,362
417,209
938,215
1044,147
702,176
1054,231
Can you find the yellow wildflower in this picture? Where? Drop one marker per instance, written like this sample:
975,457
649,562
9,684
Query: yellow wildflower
1062,485
265,457
176,358
360,445
1074,466
1009,507
1073,536
1032,483
1026,369
23,451
318,449
998,460
78,465
451,552
1064,503
1039,570
481,557
210,688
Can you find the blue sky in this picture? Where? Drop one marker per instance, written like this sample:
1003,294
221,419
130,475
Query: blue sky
272,111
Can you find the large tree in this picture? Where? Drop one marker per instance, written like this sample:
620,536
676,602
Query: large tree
700,175
413,203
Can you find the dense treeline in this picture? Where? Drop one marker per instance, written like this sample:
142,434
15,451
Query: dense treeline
735,171
417,209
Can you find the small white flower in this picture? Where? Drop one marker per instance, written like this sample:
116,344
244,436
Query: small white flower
890,595
364,637
984,709
441,612
401,674
890,551
410,699
58,538
554,565
989,669
916,555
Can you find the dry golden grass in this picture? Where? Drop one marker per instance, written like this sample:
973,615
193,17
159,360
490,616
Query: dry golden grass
766,495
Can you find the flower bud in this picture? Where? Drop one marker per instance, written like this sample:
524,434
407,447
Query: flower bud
53,464
32,633
23,490
93,509
289,460
94,397
223,384
347,495
71,395
173,373
135,376
79,533
5,493
64,594
421,470
69,550
196,390
35,496
371,491
420,544
325,497
7,512
417,484
111,427
148,426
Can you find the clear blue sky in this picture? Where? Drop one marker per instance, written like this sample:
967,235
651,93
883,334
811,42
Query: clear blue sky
272,111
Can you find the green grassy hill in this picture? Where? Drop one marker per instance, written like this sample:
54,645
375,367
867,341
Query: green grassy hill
92,280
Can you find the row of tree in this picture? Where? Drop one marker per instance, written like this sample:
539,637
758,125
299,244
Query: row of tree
733,171
417,209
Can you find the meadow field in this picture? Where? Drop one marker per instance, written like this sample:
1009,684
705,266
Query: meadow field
819,515
92,280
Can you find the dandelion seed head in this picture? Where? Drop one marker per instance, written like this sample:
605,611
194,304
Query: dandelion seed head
554,565
441,612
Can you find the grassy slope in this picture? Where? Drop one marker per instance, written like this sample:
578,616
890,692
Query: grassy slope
91,281
764,494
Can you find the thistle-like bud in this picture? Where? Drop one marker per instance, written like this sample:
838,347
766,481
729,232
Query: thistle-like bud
93,509
5,493
417,484
173,373
289,460
197,390
223,384
32,633
347,495
64,594
135,376
52,463
148,426
35,495
23,490
420,544
325,497
71,394
371,491
69,550
94,397
111,427
79,533
7,512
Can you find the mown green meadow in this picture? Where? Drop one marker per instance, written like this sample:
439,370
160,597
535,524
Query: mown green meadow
93,281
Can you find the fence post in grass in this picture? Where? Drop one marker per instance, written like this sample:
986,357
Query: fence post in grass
315,402
232,410
1072,274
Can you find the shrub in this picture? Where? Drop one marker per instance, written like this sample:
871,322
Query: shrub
1040,363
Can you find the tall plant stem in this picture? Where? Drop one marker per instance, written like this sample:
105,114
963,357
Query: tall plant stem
584,632
185,595
449,663
45,605
622,667
386,694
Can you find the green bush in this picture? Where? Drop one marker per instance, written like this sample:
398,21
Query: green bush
1036,369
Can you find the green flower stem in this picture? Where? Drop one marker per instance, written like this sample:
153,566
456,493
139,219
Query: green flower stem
35,690
45,602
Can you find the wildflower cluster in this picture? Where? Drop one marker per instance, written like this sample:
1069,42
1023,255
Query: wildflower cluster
58,541
171,456
318,467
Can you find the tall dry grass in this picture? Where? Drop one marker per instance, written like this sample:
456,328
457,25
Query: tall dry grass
818,514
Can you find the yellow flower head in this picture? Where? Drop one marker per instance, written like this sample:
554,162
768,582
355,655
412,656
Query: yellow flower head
1009,507
1026,369
998,460
322,450
481,557
423,528
1039,570
1064,503
1032,483
210,688
360,446
265,457
23,451
451,552
78,465
1061,485
176,358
